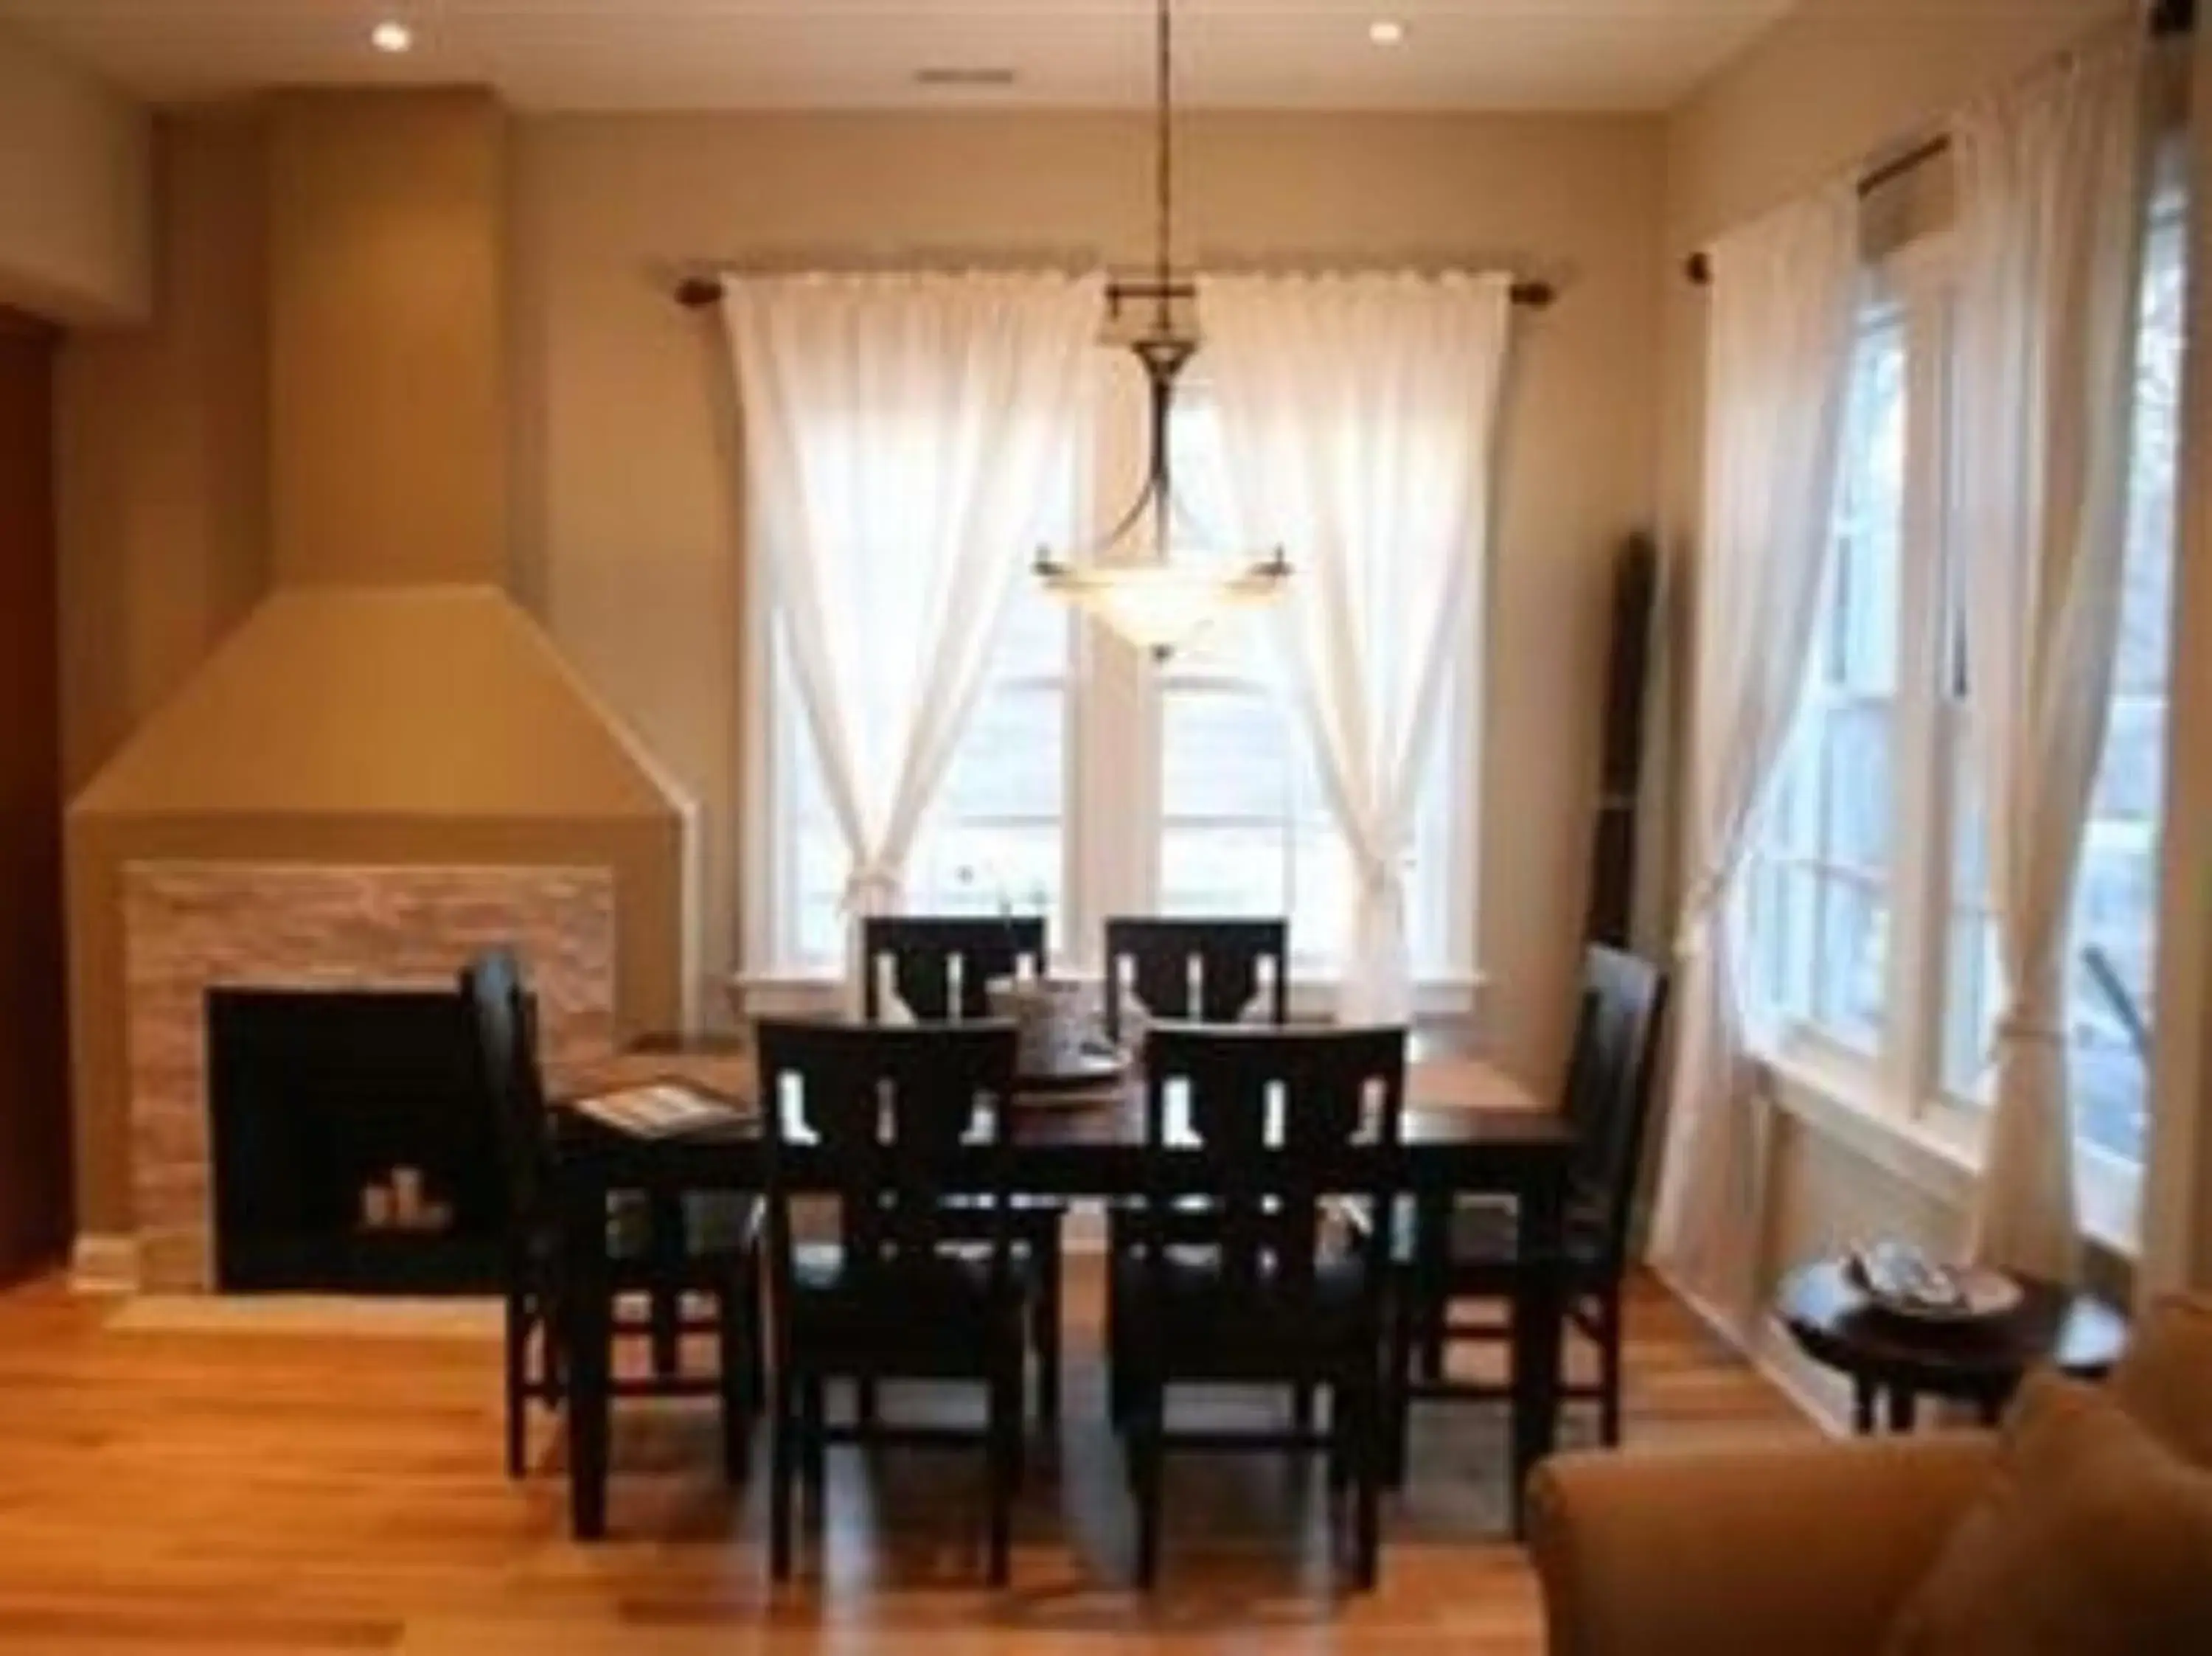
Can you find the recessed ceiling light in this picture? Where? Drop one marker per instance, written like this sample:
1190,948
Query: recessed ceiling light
392,35
1387,32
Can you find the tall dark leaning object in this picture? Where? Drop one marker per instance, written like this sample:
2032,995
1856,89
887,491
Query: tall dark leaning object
1613,873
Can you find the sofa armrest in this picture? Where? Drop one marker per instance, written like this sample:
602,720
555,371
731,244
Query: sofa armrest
1807,1548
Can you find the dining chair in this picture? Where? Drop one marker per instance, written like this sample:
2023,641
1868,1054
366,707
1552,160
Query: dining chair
1204,970
895,1122
1199,970
1273,1127
704,1251
1471,1250
925,958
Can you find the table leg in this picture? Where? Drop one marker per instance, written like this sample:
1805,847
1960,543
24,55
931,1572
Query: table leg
1865,1394
1904,1409
1539,1313
587,1315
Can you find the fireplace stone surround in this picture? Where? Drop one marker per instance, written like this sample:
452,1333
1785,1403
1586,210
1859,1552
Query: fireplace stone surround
191,927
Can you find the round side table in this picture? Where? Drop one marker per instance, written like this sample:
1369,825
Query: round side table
1894,1362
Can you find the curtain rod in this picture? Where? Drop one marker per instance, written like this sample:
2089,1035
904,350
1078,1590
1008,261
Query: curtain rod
698,291
2167,18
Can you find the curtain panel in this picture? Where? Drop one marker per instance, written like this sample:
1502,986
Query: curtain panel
2052,181
1784,299
903,433
1360,414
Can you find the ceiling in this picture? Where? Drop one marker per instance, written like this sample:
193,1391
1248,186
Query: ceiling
700,54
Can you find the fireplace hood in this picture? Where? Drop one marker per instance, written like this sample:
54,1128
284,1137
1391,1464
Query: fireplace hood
388,672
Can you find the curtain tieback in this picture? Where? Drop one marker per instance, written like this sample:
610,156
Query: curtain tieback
1379,878
2029,1028
870,888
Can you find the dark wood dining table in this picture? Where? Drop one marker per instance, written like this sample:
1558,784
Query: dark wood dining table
1469,1129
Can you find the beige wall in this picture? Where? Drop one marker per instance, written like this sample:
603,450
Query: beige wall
75,212
388,337
627,535
162,466
623,535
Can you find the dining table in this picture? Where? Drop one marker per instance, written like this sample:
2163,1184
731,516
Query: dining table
1469,1129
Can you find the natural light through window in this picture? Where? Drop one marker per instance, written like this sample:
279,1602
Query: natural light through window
1088,782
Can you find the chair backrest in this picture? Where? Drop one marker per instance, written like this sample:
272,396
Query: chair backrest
1159,961
1611,1077
892,1119
922,947
1271,1123
504,1024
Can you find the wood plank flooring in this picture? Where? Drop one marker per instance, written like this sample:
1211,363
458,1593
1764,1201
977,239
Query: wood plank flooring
166,1488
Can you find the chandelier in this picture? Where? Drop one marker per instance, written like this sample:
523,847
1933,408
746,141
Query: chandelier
1148,582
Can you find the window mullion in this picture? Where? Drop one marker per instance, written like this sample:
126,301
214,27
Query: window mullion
1921,802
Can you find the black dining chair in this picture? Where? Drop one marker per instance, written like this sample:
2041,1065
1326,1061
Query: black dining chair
924,956
1158,962
700,1252
1200,971
897,1122
1273,1128
1471,1250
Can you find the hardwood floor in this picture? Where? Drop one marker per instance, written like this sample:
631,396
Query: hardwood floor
166,1487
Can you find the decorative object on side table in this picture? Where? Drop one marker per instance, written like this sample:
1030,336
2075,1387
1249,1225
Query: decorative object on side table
1893,1360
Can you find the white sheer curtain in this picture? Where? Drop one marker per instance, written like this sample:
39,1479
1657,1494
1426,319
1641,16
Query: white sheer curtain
901,434
1783,317
2051,180
1359,416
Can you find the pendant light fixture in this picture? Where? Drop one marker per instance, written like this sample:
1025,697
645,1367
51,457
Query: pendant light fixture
1150,581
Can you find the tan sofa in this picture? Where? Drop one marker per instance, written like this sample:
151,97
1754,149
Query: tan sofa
1808,1549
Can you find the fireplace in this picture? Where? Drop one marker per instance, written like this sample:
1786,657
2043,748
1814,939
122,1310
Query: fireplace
353,1149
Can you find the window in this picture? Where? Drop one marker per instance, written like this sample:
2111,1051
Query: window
1087,783
1822,904
2115,909
1871,945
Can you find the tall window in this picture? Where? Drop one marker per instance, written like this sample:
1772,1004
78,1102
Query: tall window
1202,767
1872,944
1822,901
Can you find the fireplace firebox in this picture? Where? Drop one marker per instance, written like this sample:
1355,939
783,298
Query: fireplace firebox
354,1152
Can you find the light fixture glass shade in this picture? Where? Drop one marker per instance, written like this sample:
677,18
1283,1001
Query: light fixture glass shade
1161,607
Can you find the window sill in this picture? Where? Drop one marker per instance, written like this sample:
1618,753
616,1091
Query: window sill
1934,1148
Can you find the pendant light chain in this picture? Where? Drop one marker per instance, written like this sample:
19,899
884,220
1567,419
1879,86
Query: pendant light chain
1163,48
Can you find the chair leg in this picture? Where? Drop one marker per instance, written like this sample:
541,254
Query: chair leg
518,1385
1146,1428
735,1336
1608,1354
815,1438
1366,1431
1005,1431
1303,1398
867,1401
782,1473
1045,1334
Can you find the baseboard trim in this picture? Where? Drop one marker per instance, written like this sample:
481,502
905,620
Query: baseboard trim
103,1264
1783,1376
